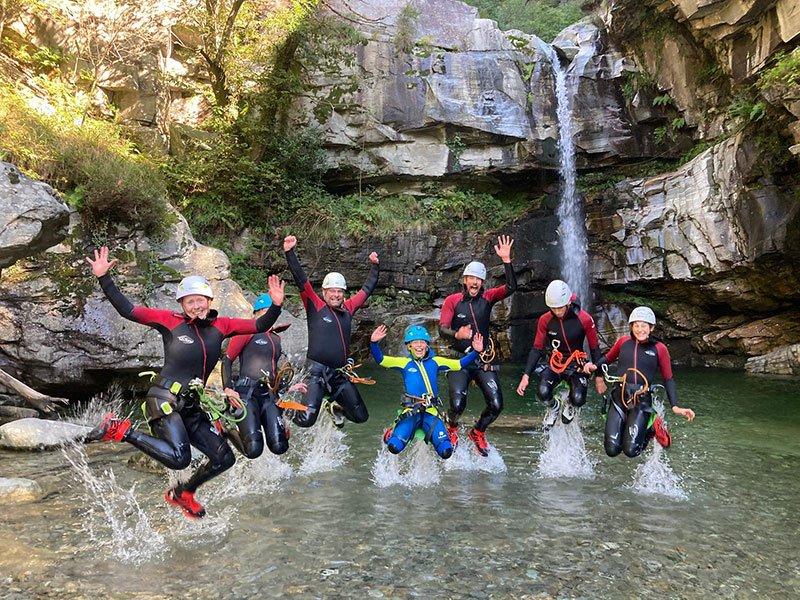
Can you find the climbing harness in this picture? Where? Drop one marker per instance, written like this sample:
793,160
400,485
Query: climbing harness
219,407
413,405
349,371
632,400
283,378
489,353
559,365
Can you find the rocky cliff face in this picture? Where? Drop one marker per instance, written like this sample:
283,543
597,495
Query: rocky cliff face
443,93
59,331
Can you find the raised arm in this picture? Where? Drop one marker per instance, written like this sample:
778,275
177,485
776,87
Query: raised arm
358,300
300,277
503,249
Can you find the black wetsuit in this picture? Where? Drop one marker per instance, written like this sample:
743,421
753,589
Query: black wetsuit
329,347
192,348
627,427
462,309
569,332
258,355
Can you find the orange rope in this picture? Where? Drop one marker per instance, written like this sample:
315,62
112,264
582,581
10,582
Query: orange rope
559,365
633,400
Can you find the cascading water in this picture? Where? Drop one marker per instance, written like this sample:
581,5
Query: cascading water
573,243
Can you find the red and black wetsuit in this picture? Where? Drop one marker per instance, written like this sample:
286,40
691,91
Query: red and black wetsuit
569,333
626,427
462,309
192,348
258,354
329,346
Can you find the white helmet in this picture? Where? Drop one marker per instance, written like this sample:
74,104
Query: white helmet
557,294
334,280
642,313
476,269
194,284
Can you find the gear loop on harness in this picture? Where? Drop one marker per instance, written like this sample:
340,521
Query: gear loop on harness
634,398
217,406
559,365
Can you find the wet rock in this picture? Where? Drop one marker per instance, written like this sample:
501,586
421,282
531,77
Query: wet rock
12,413
58,329
780,361
14,490
757,337
32,217
39,434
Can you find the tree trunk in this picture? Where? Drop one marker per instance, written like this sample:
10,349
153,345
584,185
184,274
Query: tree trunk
39,401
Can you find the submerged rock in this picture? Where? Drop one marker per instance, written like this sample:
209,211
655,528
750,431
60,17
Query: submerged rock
39,434
14,490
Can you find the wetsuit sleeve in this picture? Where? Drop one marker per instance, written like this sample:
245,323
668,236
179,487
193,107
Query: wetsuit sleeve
389,362
503,291
612,354
590,329
227,371
307,293
446,317
538,345
665,365
137,314
230,327
468,359
353,304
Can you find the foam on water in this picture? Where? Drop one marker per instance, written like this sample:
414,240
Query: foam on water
466,458
565,453
417,466
113,518
253,476
654,476
322,447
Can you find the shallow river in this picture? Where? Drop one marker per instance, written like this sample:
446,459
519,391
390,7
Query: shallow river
309,528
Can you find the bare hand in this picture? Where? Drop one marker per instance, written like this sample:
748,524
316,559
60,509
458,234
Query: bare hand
276,289
688,413
589,368
299,387
378,334
600,385
523,385
464,332
373,258
503,248
101,265
477,342
289,242
233,397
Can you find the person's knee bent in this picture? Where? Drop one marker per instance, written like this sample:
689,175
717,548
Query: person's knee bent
612,449
278,446
225,459
395,445
545,392
632,450
305,419
360,414
253,447
578,395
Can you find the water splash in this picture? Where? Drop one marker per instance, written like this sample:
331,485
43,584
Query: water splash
573,243
565,453
91,413
262,475
113,518
655,476
466,458
417,466
322,447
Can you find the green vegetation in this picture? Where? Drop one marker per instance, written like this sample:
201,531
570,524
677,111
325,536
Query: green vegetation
543,18
101,173
785,71
406,29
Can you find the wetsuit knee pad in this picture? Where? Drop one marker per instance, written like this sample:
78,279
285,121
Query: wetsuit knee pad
612,449
395,445
253,446
278,446
578,388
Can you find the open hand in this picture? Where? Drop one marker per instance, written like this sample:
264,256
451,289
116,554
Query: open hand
477,342
379,333
373,258
503,248
277,289
101,265
687,413
523,385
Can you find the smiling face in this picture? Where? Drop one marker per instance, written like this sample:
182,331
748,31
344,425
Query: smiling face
641,330
195,306
419,348
473,285
333,297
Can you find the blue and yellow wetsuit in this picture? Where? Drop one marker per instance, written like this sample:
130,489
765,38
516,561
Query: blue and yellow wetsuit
422,392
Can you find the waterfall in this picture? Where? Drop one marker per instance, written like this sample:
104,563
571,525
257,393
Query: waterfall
573,243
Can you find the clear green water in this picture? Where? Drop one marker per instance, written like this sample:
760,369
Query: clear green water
473,535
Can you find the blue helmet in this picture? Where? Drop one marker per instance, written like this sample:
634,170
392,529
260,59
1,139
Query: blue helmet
416,332
263,301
